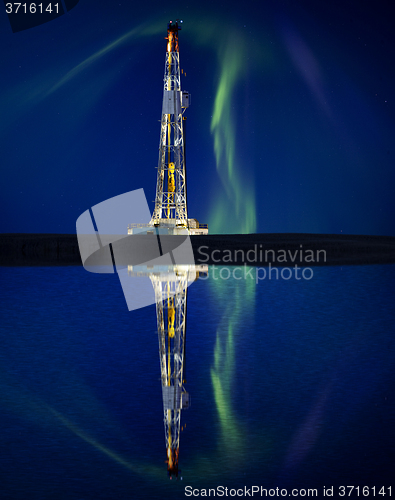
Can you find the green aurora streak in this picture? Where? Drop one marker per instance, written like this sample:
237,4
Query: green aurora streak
223,371
234,210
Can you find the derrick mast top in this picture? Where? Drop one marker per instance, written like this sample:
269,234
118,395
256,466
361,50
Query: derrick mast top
172,36
172,77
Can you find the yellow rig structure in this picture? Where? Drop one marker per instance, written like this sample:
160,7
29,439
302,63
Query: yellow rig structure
170,214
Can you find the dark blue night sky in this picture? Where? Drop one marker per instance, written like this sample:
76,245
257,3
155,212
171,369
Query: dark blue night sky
291,126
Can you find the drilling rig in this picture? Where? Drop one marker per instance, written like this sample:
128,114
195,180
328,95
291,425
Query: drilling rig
170,215
171,297
170,285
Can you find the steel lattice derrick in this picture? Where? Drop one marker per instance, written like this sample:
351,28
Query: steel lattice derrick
170,296
170,198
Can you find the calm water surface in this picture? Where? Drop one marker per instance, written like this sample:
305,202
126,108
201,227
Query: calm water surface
291,385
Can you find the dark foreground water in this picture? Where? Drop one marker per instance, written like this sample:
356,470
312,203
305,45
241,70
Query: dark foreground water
291,385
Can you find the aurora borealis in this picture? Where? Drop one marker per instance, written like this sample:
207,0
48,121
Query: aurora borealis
290,128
